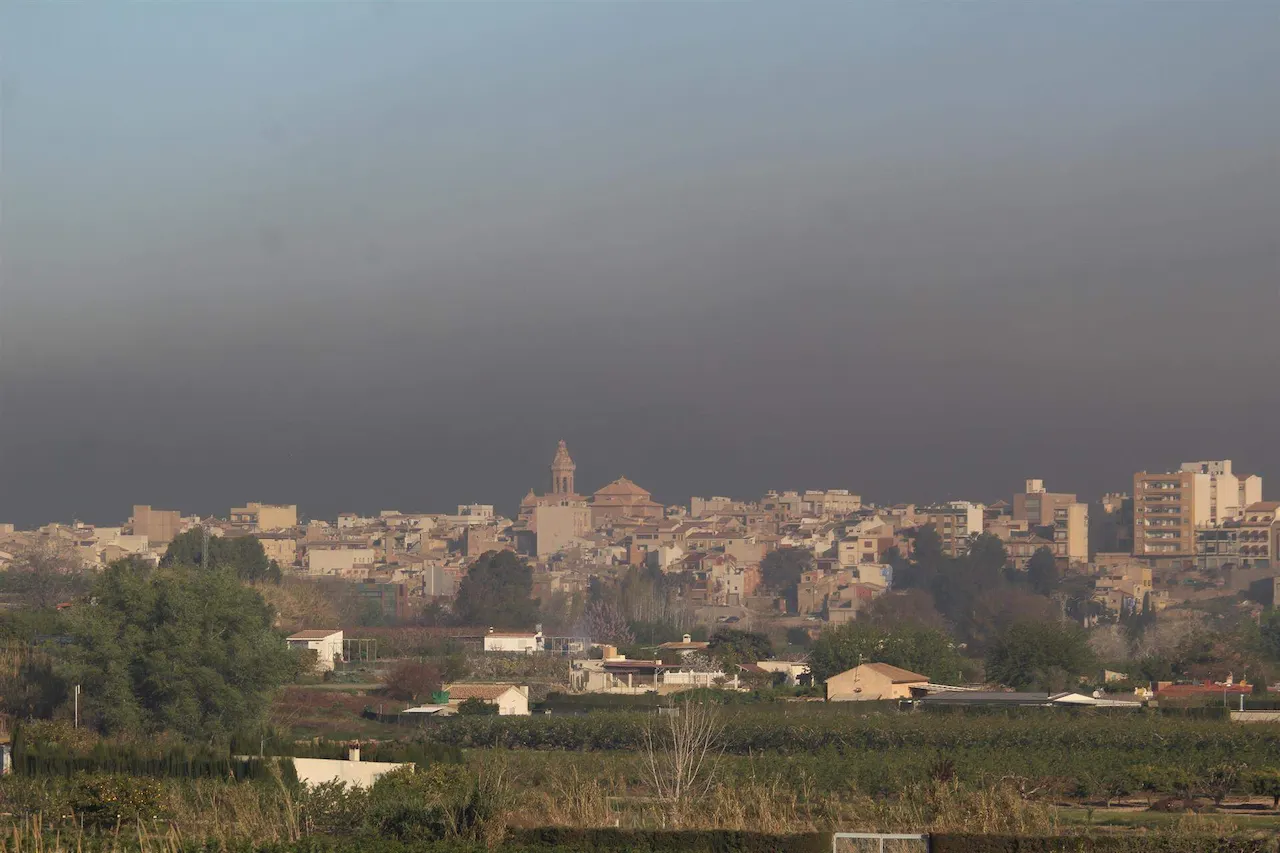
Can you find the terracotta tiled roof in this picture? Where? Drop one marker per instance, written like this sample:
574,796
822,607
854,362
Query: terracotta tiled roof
487,692
623,486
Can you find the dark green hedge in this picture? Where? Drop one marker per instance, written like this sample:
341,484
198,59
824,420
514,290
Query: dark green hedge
555,840
1130,843
654,841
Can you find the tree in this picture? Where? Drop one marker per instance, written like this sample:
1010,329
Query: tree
243,555
680,748
780,570
993,610
923,650
987,555
174,649
603,622
45,574
300,603
1042,571
730,645
412,681
497,592
1040,655
1269,634
798,636
908,607
1265,782
926,547
1222,779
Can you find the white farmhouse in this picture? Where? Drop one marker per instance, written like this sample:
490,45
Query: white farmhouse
326,643
527,642
512,700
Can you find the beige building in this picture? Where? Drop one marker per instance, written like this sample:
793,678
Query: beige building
281,547
339,559
956,523
873,681
160,526
623,499
1167,508
830,502
1068,517
1259,534
266,517
1228,492
558,527
699,507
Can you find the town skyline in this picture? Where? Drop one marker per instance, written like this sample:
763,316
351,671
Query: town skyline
329,506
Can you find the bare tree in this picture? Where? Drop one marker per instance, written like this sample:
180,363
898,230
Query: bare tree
603,622
46,573
412,681
680,747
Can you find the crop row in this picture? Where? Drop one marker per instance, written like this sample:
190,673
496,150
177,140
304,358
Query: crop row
746,733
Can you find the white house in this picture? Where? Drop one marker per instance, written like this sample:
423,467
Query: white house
326,643
512,700
793,670
513,641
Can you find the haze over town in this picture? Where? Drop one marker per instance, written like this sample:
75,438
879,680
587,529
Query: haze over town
562,427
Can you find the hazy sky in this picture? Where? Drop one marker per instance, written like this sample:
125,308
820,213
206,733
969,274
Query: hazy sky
362,256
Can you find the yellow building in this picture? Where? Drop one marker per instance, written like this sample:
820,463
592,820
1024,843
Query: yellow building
266,517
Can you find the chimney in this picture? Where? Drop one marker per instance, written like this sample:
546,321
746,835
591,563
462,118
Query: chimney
353,752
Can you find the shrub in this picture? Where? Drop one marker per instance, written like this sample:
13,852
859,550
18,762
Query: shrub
106,801
474,707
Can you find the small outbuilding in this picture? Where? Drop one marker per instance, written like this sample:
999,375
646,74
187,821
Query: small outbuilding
326,643
512,700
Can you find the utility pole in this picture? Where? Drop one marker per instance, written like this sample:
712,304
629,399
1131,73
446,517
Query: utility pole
77,706
204,547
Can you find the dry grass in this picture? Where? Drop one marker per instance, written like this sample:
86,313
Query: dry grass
209,809
767,802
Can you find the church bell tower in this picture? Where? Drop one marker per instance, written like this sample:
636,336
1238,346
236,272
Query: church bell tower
562,469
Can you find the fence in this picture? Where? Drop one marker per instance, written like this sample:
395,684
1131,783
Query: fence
879,842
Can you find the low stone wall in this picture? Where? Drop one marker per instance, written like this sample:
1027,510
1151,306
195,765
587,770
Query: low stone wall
316,771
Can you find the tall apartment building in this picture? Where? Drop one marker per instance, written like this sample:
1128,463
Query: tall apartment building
1068,517
160,526
1259,535
956,522
266,517
1224,492
1167,508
